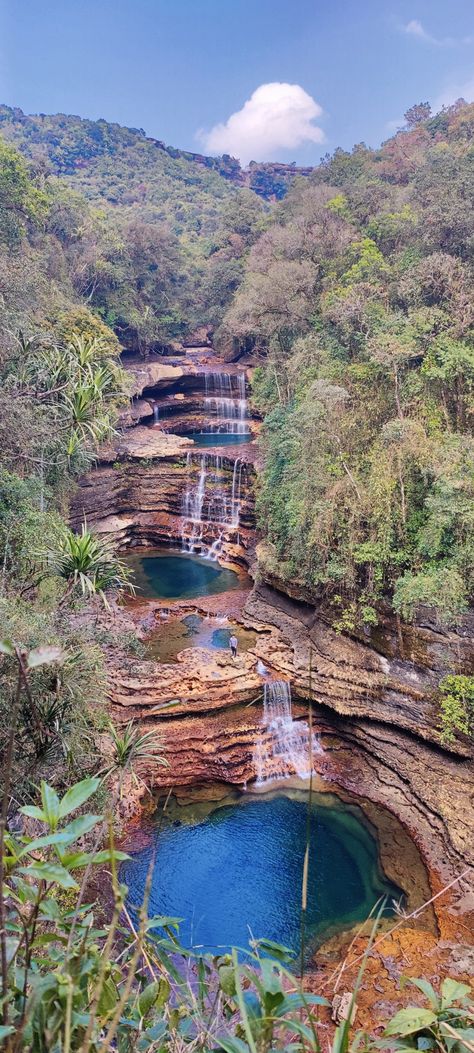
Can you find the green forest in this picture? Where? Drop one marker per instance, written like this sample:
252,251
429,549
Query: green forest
358,297
348,293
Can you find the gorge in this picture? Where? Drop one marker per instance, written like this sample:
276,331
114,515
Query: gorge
233,725
236,588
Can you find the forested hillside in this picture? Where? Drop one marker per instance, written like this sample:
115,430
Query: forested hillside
151,239
359,301
353,296
346,297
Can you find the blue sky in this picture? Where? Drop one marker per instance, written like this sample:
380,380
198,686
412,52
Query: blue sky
174,67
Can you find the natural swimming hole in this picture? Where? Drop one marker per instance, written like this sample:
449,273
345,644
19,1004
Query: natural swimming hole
164,574
219,438
235,873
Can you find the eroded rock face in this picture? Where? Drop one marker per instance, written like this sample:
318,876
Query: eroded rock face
146,374
374,698
136,496
153,485
375,718
352,677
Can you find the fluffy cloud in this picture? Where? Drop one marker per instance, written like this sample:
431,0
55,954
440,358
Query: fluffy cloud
276,117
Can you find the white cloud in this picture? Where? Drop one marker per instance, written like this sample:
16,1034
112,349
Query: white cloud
415,28
276,117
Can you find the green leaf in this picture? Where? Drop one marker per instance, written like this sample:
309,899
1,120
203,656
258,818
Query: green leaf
50,802
44,656
425,987
276,950
453,991
76,829
48,937
77,795
11,946
51,872
82,859
155,994
43,842
33,812
465,1034
151,1036
159,921
50,910
80,826
227,980
270,977
408,1021
301,1029
299,1001
5,1030
232,1045
108,997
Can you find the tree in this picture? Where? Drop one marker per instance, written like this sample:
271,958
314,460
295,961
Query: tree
418,113
21,203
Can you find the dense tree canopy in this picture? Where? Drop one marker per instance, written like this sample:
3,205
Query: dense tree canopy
359,300
149,236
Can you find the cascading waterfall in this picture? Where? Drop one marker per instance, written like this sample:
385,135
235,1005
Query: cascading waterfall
192,506
225,403
207,502
156,413
283,749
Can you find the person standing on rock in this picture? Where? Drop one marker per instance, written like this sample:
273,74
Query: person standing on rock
233,646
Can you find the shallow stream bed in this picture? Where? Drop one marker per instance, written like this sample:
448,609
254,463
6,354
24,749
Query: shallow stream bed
174,635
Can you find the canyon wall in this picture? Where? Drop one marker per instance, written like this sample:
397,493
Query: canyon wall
374,699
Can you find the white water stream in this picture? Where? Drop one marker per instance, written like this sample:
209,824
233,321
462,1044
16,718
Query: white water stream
283,749
225,403
209,505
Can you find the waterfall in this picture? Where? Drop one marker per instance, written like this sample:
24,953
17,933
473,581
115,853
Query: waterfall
283,748
207,502
156,413
225,403
192,505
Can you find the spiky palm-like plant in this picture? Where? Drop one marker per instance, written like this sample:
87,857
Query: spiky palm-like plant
128,748
88,564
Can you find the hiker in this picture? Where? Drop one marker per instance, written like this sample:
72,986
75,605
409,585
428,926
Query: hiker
233,646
